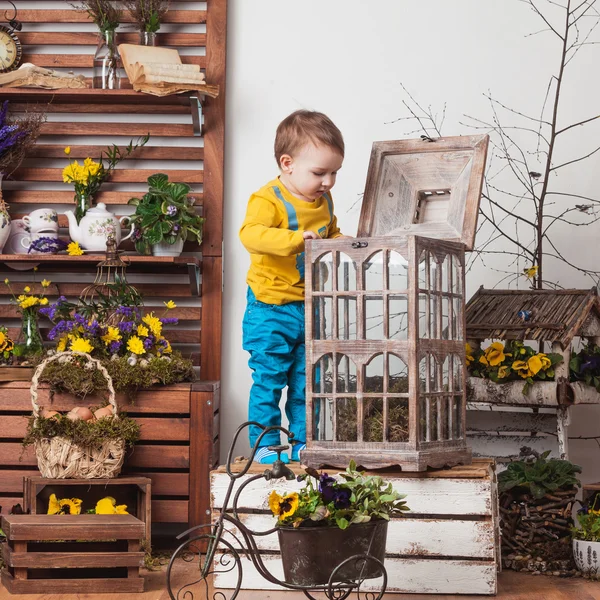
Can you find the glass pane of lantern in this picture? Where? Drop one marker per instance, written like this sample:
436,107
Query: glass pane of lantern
398,317
374,375
322,317
423,414
445,318
346,317
457,415
346,374
373,271
423,373
322,273
435,307
423,260
456,275
323,375
346,420
434,375
397,272
458,373
434,274
398,375
398,420
432,418
323,419
373,420
458,318
446,374
374,318
423,316
446,267
346,273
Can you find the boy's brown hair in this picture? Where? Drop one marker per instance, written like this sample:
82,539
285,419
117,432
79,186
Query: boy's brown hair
305,126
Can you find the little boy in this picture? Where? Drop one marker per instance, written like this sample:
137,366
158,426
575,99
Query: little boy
296,206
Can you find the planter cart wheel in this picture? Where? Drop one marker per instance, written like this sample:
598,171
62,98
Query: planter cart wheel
206,546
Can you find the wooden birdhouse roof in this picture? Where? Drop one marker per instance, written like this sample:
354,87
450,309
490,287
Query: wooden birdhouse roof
551,315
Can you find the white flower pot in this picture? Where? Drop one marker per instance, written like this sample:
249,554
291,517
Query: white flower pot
164,249
587,556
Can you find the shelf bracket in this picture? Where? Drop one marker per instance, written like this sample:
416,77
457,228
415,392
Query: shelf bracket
196,106
194,277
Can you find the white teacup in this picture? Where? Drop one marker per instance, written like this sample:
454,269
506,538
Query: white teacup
42,219
26,241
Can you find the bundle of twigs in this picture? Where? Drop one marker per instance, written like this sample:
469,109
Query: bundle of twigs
536,533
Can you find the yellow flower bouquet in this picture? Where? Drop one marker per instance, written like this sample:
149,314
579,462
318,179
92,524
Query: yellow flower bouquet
510,362
89,176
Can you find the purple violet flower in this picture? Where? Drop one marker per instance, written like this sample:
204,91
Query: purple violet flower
171,210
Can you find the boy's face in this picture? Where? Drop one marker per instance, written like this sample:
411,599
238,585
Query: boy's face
311,171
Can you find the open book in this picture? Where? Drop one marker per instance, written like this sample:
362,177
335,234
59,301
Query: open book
159,71
28,75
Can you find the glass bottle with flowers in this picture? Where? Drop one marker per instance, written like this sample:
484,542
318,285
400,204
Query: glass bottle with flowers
108,69
17,135
28,304
88,177
147,15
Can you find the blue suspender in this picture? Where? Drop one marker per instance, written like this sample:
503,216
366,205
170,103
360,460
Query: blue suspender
291,211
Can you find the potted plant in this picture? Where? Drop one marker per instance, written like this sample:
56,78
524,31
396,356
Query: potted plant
165,217
331,520
537,495
147,15
586,539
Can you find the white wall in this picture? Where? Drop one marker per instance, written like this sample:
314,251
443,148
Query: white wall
347,58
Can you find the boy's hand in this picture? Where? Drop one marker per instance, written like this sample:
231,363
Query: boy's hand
310,235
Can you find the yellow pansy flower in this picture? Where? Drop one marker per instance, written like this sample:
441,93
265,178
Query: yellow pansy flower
65,506
283,506
74,249
135,345
495,354
81,345
469,352
503,372
534,364
108,506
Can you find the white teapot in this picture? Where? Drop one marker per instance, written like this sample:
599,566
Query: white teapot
95,226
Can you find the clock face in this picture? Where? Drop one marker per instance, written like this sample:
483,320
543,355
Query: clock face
10,50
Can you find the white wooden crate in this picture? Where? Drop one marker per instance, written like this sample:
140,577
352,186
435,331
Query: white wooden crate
447,544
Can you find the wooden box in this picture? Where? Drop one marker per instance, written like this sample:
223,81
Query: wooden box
385,351
179,445
135,492
62,554
425,188
447,544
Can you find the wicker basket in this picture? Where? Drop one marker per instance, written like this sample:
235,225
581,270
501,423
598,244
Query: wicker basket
58,457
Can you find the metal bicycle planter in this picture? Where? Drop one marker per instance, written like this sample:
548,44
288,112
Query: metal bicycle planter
224,556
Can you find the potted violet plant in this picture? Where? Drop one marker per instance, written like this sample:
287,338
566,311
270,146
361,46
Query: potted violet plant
331,520
165,217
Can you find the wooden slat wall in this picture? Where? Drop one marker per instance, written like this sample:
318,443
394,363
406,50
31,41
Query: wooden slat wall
58,36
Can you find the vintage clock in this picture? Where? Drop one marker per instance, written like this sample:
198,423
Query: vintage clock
11,51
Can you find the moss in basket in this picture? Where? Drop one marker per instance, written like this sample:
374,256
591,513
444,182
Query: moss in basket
83,433
71,378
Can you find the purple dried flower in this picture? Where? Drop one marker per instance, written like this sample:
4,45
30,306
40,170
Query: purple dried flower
149,342
169,320
114,347
126,326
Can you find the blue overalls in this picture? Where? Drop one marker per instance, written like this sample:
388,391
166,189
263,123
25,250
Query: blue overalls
274,336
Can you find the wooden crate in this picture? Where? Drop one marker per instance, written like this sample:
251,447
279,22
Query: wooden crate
62,554
447,544
135,492
179,445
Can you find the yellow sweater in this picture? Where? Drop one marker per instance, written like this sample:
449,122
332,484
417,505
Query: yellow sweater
272,233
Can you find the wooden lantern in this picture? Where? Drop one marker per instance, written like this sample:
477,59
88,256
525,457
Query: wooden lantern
385,353
385,328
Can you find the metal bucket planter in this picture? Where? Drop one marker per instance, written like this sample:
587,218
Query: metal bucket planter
311,555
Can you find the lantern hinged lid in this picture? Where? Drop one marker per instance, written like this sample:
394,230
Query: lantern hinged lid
427,188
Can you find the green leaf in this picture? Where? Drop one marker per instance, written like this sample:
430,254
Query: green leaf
342,523
158,180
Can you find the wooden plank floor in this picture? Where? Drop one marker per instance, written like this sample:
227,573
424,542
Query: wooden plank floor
512,586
